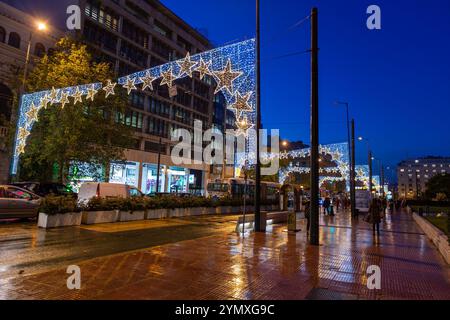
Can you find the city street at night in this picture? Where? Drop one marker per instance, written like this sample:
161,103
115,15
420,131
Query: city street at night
203,258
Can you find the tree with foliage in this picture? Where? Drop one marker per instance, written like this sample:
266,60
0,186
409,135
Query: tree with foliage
91,132
438,185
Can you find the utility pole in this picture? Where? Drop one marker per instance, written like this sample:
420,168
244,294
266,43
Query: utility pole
370,172
352,174
314,174
258,224
382,180
159,166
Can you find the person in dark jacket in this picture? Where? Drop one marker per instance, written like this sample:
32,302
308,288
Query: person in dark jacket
326,205
375,215
308,215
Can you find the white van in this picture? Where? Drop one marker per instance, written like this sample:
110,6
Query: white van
90,190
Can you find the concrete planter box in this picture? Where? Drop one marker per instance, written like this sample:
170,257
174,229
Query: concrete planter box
439,238
157,214
125,216
210,210
59,220
198,211
96,217
173,213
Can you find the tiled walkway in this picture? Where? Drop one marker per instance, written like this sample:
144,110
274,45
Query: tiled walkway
274,265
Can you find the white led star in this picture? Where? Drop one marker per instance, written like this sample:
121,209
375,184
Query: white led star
20,148
53,95
243,126
241,103
147,81
23,134
203,68
168,78
64,99
109,88
32,114
129,84
44,102
78,96
226,77
186,65
91,92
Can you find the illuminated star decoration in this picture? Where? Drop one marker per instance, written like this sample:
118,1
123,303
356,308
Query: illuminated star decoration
20,148
186,66
23,134
226,77
32,114
167,78
147,81
203,68
336,156
109,88
129,85
243,126
91,92
241,104
78,96
53,96
64,99
44,102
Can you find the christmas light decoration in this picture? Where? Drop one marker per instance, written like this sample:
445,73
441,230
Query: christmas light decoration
232,66
186,66
78,96
203,68
147,81
91,92
64,99
226,77
241,104
129,85
109,88
168,78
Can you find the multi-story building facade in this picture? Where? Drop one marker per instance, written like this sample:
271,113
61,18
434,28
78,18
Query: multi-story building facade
18,30
413,174
134,35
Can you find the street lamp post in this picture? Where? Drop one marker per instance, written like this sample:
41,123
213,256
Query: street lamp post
40,26
314,174
258,224
369,161
349,152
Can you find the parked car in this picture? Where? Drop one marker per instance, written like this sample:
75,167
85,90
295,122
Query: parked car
45,188
16,202
90,190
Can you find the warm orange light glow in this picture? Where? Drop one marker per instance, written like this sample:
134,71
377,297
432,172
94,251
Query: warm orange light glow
41,26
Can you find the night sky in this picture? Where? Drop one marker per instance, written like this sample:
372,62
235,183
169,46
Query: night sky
397,80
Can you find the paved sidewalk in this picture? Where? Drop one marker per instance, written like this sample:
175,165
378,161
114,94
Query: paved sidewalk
274,265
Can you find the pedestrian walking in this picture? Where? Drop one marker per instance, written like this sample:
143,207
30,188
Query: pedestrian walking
307,215
374,216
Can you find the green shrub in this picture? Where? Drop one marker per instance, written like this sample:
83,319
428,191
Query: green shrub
58,204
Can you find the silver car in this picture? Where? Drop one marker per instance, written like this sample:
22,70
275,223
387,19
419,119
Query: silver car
16,202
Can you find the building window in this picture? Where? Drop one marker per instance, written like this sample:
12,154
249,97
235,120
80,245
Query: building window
14,40
39,50
162,49
137,100
99,14
162,29
2,35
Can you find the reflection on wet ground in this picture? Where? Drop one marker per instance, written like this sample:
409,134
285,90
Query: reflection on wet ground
203,258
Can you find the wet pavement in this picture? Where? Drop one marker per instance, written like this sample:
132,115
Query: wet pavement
203,258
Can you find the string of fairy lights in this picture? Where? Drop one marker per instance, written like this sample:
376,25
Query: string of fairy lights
232,67
338,153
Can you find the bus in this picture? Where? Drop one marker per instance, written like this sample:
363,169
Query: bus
235,188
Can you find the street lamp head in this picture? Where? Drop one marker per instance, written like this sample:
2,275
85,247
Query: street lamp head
41,26
285,143
360,138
